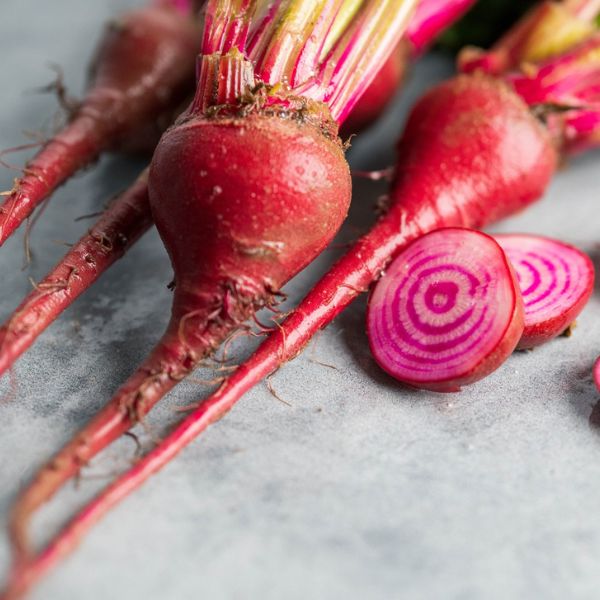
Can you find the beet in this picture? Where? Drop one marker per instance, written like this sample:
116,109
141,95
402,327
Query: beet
447,312
143,72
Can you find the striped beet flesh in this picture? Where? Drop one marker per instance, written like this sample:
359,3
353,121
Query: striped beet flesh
556,282
447,312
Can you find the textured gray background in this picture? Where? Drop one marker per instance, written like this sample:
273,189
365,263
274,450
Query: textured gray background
360,489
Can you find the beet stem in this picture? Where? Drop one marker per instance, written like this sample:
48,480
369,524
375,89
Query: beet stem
431,18
547,30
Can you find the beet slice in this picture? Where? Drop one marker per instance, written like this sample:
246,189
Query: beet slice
556,282
447,312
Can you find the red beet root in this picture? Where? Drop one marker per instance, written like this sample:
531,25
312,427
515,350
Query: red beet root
143,71
556,281
235,236
258,216
447,312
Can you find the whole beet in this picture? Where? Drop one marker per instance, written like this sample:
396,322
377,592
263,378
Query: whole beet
237,217
143,71
242,205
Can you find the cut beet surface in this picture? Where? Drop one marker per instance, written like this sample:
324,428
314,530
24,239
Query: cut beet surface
556,282
447,312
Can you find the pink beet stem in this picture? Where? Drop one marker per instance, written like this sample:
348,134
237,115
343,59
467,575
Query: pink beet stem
431,18
226,26
359,54
360,48
424,27
308,61
587,10
547,30
258,28
570,78
123,223
570,81
284,38
597,374
234,74
286,43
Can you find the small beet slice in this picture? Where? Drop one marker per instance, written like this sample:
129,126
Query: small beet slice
556,282
447,312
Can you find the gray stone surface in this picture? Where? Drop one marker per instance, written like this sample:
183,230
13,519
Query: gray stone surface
360,489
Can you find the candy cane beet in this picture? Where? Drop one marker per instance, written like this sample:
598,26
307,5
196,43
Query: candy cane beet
447,311
556,281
